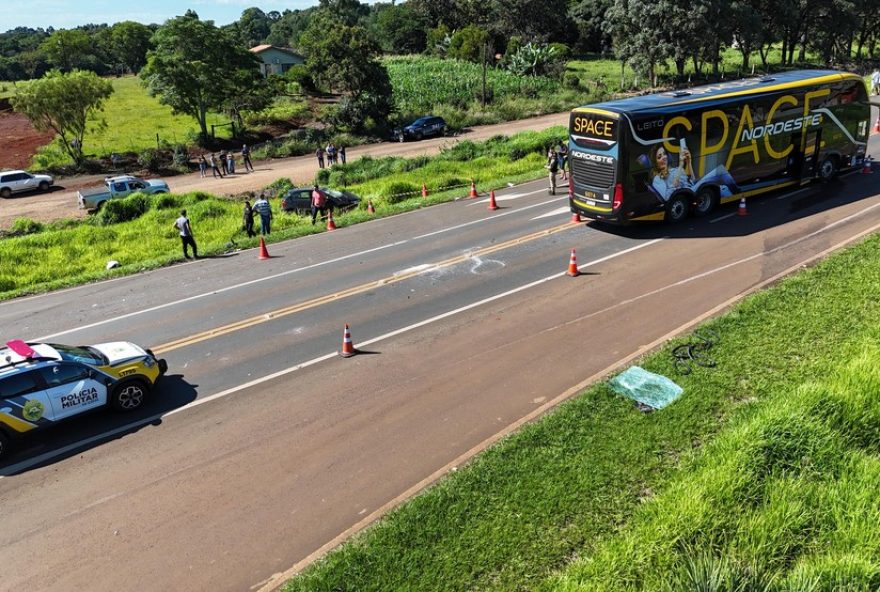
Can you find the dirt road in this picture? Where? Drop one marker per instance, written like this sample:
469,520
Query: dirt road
61,203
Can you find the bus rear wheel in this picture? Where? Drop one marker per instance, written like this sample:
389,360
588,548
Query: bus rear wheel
677,208
705,201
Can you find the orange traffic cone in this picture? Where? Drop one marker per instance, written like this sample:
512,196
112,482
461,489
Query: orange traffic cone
348,349
742,207
264,254
576,218
370,208
473,189
331,225
424,190
866,166
876,126
492,204
573,270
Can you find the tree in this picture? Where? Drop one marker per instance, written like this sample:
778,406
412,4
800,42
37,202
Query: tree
399,28
63,103
287,30
130,43
635,27
67,48
253,27
195,68
469,44
343,58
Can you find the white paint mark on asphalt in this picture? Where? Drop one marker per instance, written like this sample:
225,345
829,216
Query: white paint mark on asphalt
554,213
506,197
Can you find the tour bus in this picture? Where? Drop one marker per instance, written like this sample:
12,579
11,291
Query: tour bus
673,154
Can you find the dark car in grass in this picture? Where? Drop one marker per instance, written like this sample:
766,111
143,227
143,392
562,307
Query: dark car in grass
299,200
423,127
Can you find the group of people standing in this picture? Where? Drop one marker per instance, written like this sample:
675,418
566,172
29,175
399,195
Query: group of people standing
261,208
224,163
557,160
333,155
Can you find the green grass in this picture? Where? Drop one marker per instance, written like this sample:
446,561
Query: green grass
39,258
766,468
134,119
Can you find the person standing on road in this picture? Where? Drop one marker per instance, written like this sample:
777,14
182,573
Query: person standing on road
203,166
215,170
230,162
265,211
319,154
246,158
875,82
248,219
319,204
184,228
562,157
553,166
342,154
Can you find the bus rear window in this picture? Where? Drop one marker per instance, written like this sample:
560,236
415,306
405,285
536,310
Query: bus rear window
592,129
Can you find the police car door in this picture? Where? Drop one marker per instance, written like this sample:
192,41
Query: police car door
24,404
72,389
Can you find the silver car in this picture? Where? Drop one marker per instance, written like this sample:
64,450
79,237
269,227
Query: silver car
18,181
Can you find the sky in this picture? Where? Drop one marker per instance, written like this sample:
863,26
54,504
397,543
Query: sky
68,14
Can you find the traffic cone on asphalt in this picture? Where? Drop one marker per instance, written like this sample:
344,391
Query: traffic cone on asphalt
573,270
424,190
576,218
473,189
492,204
331,225
742,207
370,208
348,349
264,253
866,166
876,126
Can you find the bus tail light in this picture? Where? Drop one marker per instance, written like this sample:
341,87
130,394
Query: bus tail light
618,196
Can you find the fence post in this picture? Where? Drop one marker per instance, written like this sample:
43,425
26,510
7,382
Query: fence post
157,140
212,132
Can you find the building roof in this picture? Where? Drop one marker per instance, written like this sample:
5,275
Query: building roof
261,48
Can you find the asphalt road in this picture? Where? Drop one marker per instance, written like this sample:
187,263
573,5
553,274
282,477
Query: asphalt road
61,201
263,448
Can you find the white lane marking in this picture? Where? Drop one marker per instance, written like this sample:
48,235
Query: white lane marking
554,213
506,197
481,220
792,194
277,275
46,456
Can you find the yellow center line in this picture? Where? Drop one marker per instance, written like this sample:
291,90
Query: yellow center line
299,307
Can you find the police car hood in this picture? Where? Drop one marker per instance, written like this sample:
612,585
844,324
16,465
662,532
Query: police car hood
120,351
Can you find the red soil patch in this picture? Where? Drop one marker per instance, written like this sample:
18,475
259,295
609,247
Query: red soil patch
19,140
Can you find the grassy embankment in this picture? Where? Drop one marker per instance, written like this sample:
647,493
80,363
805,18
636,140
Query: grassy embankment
133,119
76,251
762,476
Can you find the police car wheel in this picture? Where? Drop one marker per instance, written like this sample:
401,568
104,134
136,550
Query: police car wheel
128,396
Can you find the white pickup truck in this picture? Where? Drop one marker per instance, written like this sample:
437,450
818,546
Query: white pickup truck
116,187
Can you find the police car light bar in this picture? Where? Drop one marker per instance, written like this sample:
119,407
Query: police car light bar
22,348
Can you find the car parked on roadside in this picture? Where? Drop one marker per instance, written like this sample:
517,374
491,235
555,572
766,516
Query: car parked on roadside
42,384
423,127
299,200
19,181
117,187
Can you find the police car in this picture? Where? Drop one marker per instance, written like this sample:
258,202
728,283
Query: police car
42,384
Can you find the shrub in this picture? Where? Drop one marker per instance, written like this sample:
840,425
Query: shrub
181,155
149,159
166,201
26,226
396,191
130,208
279,186
571,80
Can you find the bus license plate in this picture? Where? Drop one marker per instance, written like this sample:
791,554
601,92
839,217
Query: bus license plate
591,202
